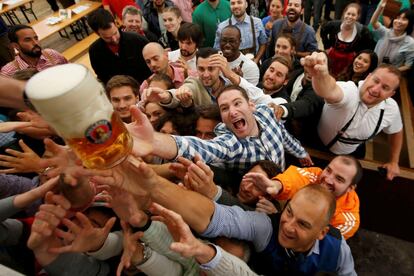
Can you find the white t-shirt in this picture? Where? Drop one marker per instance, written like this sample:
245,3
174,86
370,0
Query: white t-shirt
335,116
249,68
173,56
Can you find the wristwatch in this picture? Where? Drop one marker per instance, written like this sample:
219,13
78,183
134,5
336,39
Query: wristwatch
146,252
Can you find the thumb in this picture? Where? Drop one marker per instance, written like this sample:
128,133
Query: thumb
109,224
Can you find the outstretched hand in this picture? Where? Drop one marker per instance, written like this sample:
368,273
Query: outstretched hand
185,242
21,162
142,133
315,64
272,187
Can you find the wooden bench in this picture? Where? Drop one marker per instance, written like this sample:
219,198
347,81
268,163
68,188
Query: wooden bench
80,48
407,117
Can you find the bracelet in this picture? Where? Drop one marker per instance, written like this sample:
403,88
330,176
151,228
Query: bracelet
146,226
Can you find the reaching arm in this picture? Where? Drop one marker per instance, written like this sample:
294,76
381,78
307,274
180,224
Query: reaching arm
11,93
260,53
323,83
395,141
377,13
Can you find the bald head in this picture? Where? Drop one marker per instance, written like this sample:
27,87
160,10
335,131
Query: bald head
155,57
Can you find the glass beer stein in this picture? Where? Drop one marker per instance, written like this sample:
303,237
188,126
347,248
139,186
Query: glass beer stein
74,103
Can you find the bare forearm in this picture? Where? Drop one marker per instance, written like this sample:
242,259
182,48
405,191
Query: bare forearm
375,16
325,87
195,209
395,141
164,146
11,93
261,52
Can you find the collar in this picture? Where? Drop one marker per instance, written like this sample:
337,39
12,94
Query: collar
245,20
24,65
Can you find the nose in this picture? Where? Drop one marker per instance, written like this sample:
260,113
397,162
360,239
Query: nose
122,104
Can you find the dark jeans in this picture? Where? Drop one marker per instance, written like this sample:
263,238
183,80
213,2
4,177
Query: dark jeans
317,10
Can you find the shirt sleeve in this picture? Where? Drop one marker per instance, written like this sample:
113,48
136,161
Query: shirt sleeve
233,222
224,264
112,246
262,34
291,144
345,266
222,148
217,38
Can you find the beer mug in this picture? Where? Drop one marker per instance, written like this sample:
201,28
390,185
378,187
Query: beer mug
74,103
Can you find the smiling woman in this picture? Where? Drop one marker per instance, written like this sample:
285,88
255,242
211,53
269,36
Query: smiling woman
342,39
172,22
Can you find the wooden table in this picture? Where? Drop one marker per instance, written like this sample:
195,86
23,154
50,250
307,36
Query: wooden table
8,10
44,30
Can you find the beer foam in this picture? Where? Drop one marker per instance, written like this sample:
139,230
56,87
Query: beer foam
55,81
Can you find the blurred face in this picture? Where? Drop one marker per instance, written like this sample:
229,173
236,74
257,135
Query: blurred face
237,114
110,35
171,21
362,63
378,86
294,10
154,112
302,223
337,177
97,218
156,60
159,84
187,47
248,192
283,47
275,8
159,3
168,128
122,98
208,75
230,44
28,43
275,77
400,23
238,7
205,128
132,22
350,16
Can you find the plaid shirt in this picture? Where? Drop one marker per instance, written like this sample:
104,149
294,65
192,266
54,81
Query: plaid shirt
48,59
226,148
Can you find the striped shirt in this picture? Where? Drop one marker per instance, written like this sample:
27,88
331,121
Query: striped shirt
48,59
226,148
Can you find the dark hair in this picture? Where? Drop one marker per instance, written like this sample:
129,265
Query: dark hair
208,111
183,123
349,73
289,38
190,31
100,19
350,160
162,78
120,81
233,87
14,29
232,27
409,14
269,167
206,52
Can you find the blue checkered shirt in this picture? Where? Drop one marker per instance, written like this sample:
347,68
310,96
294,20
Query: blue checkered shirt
226,148
246,32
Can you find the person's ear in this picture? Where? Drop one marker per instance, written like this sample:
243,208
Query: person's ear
15,45
323,233
252,106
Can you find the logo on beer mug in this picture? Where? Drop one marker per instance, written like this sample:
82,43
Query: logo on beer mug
99,132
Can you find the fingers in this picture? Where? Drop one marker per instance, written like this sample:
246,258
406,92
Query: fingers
138,117
25,147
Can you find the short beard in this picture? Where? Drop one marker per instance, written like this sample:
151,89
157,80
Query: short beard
32,53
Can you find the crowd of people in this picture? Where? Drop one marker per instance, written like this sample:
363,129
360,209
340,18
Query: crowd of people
220,98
